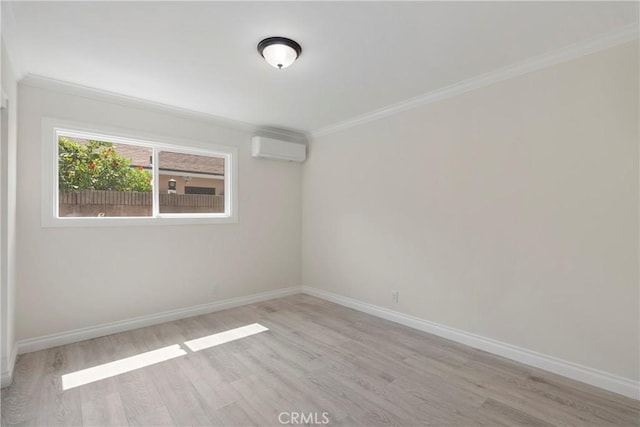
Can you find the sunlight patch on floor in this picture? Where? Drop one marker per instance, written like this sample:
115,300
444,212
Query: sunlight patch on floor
117,367
225,337
111,369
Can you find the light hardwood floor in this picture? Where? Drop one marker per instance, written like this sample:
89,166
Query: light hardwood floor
316,357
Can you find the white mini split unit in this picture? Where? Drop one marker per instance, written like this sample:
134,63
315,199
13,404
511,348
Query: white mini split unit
269,148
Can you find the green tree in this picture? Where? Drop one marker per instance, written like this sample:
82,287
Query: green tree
96,166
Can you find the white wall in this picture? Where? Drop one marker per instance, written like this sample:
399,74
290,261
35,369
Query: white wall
510,211
78,277
8,219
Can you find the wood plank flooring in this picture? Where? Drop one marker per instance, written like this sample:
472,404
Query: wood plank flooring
316,357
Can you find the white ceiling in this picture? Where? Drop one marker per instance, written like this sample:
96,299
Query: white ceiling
357,56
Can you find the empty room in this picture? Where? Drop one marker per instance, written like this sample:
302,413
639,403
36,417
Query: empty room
337,213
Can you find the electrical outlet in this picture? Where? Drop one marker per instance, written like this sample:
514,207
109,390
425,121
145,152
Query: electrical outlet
394,296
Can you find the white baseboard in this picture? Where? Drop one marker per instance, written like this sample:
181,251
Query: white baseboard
597,378
62,338
7,375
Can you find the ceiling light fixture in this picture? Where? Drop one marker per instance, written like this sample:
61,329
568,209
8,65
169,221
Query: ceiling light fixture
279,51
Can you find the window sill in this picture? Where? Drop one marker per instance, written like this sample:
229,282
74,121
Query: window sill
135,221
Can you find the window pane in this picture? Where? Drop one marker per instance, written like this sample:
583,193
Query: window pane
191,183
103,179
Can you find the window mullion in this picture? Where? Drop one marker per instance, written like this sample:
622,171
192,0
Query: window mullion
227,185
156,184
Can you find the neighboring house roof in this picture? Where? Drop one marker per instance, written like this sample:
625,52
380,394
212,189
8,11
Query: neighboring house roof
178,162
140,156
191,163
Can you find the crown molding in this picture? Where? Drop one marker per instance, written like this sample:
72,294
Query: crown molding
69,88
280,133
623,35
574,51
75,89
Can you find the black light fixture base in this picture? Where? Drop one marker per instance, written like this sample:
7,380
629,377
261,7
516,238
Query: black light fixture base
279,40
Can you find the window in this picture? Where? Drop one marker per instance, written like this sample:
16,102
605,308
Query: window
106,178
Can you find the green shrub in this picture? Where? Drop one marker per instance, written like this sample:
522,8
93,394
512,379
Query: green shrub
97,166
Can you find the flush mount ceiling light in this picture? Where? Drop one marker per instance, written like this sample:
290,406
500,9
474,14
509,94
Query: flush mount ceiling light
279,51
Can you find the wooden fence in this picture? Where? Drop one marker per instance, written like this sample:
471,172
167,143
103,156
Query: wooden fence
131,203
101,197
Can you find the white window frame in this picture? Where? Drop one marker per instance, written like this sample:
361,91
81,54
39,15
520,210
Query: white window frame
52,127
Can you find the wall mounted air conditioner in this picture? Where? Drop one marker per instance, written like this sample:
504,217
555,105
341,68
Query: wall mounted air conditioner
275,149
